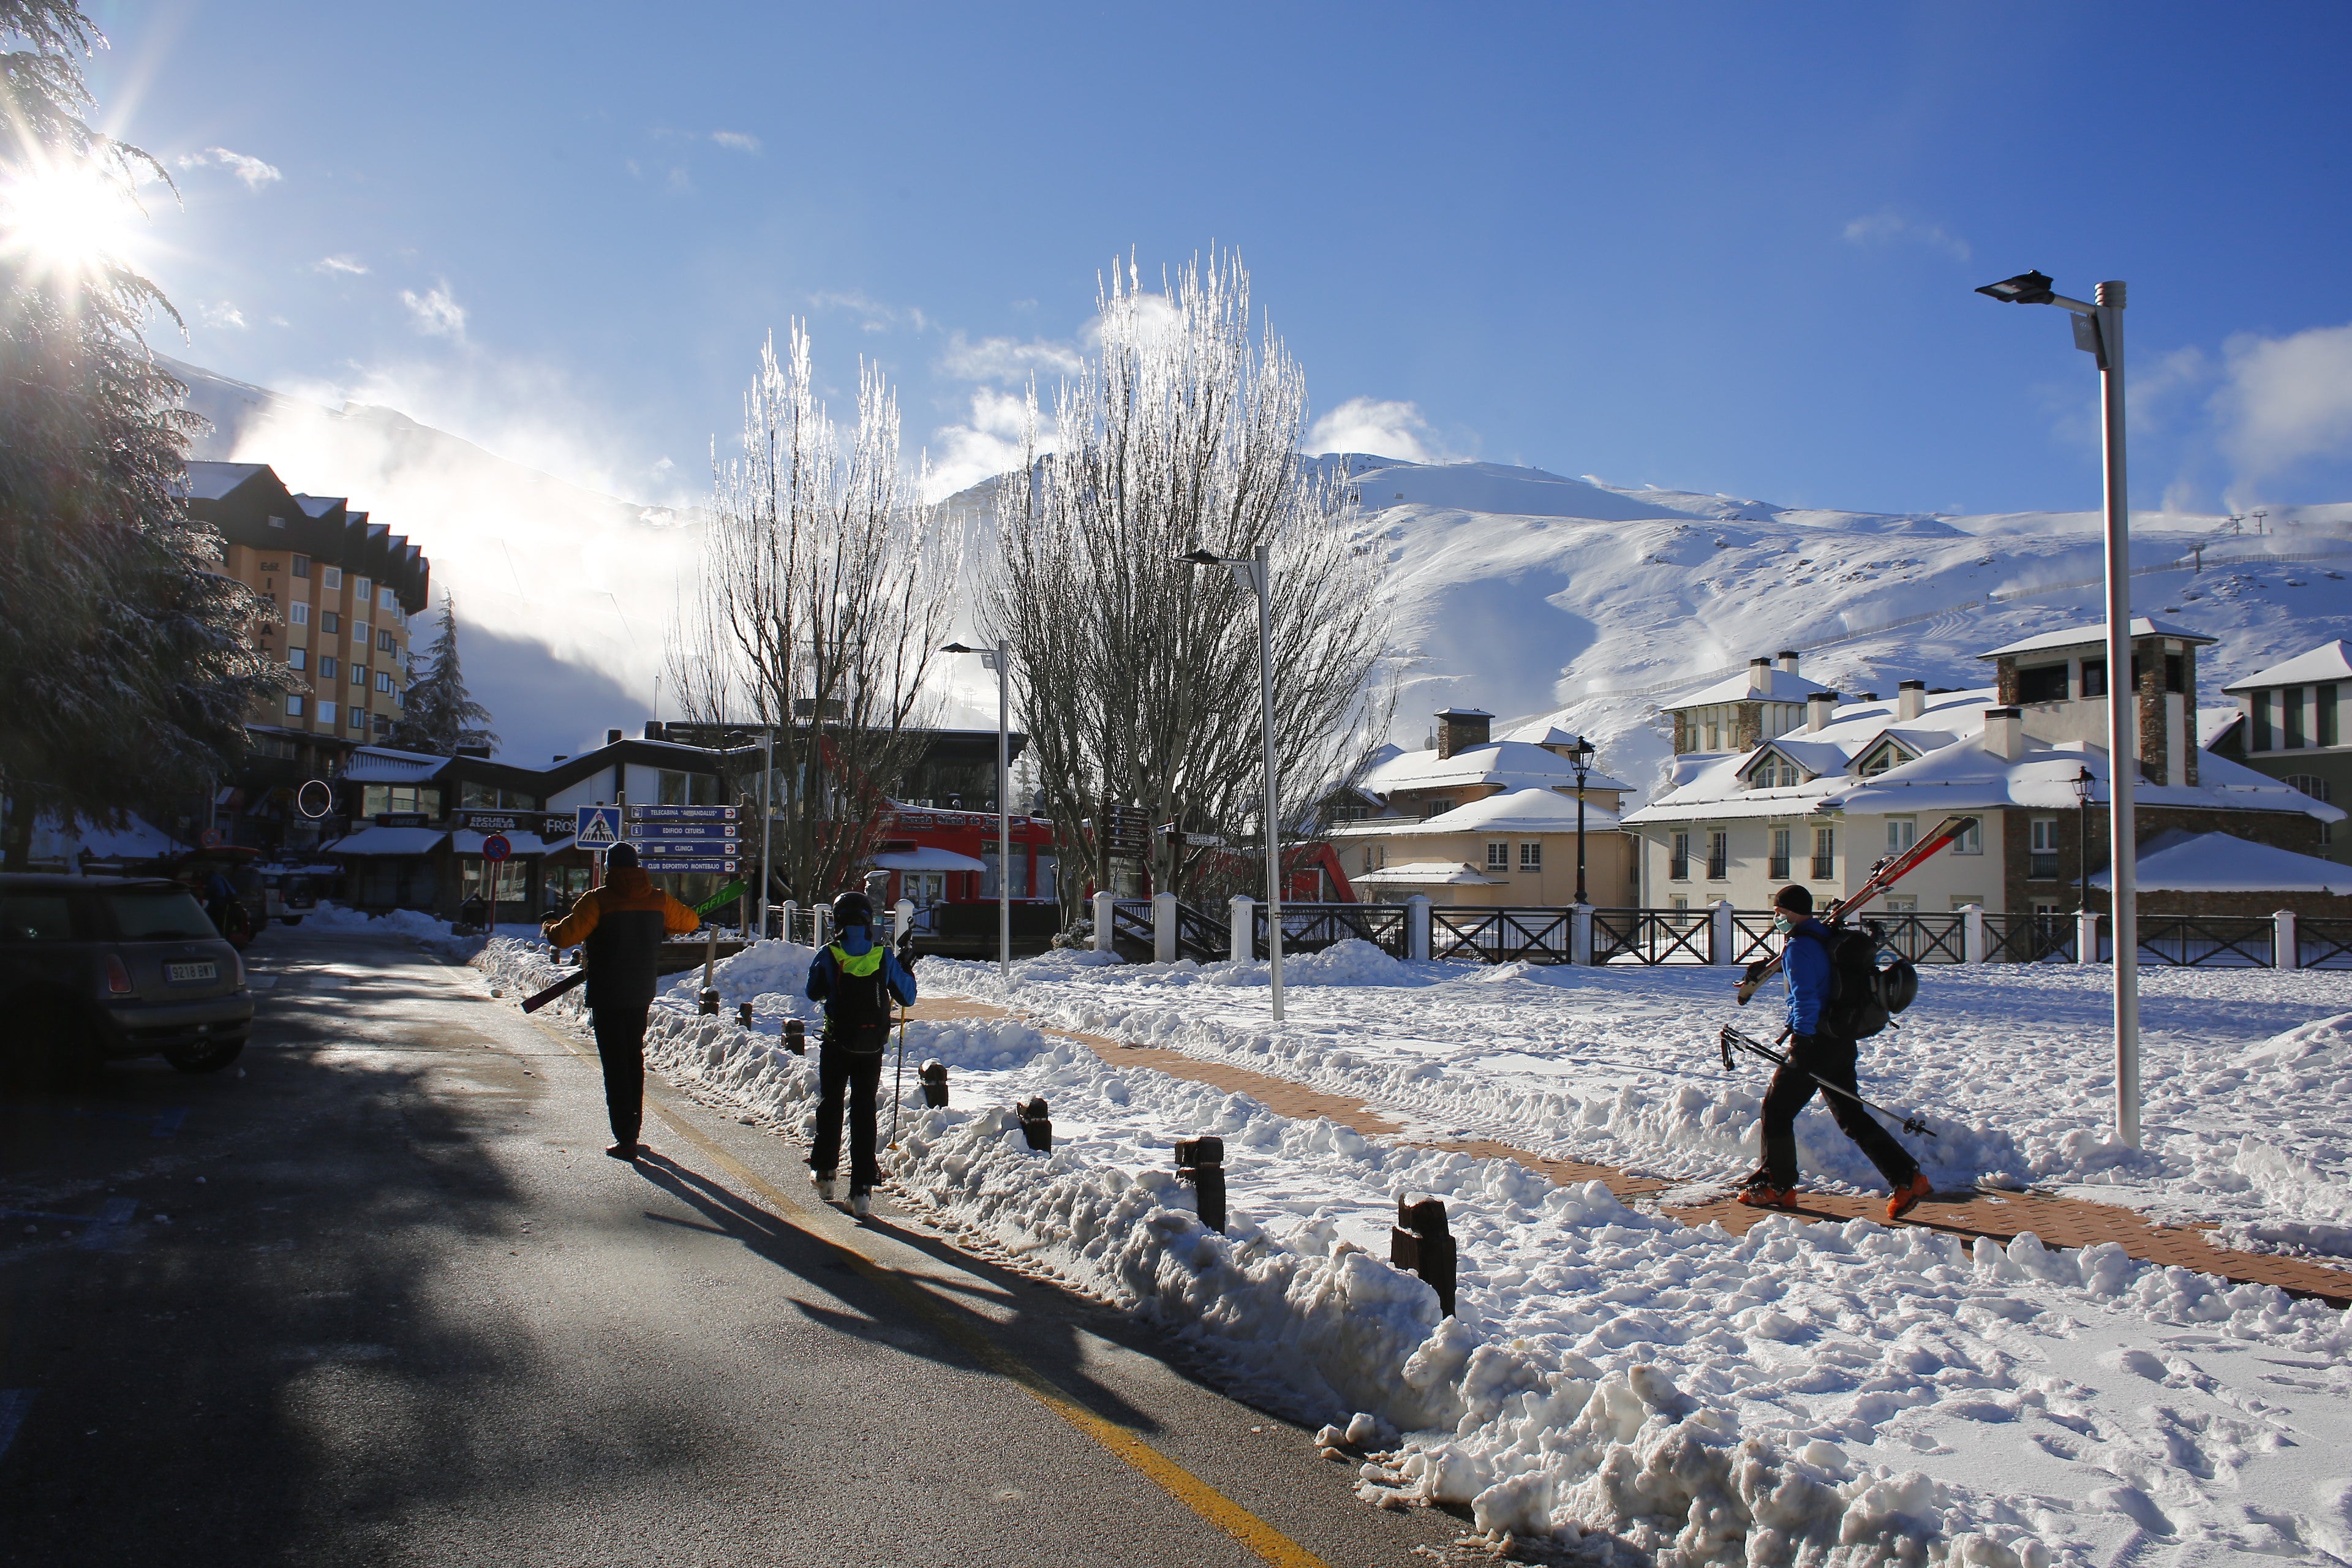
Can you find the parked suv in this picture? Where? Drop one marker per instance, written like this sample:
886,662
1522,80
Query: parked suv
98,967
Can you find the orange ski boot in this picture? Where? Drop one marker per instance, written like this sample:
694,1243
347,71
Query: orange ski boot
1906,1196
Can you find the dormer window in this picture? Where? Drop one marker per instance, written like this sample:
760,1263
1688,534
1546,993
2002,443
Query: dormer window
1889,753
1774,773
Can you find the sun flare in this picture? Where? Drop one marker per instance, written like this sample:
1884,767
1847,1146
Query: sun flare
64,219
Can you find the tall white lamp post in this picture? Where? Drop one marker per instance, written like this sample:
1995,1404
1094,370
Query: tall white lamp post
2099,331
1251,572
999,659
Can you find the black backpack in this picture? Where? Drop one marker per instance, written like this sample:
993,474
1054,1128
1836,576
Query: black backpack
860,1001
1863,997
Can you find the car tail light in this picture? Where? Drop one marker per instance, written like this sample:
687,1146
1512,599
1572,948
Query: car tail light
118,978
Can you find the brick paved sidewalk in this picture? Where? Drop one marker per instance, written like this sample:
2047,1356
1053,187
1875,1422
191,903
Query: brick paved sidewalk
2058,1220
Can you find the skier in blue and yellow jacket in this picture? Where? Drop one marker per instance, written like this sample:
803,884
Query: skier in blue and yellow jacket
857,978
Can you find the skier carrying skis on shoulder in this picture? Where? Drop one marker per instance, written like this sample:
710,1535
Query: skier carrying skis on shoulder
1817,1049
856,976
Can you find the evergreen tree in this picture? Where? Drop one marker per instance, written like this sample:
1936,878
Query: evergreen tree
437,715
122,647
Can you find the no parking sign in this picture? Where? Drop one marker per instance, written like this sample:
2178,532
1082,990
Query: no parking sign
497,847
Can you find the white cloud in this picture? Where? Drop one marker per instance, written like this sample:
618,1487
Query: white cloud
222,314
1891,227
350,264
1381,427
435,312
992,442
741,140
874,316
252,171
1006,359
2286,400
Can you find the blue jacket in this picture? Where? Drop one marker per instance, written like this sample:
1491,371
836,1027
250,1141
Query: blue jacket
857,942
1805,960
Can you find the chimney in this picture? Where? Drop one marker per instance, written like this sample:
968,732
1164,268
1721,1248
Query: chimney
1821,709
611,737
1460,728
652,729
1788,659
1910,700
1760,675
2004,733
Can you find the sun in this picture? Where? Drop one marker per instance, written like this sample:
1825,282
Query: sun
66,220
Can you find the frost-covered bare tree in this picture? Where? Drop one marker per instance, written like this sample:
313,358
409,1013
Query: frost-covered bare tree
824,586
1138,674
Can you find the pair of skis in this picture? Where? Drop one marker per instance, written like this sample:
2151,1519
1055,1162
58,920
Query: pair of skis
1883,875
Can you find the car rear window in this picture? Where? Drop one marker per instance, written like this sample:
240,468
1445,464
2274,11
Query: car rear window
158,914
35,917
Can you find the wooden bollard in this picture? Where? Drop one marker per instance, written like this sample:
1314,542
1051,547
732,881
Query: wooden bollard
1201,1162
795,1037
1420,1243
933,1077
1036,1124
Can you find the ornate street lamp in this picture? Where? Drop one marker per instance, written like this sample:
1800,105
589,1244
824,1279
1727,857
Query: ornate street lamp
1579,757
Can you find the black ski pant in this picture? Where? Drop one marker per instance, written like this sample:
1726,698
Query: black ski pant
1832,1060
847,1080
621,1047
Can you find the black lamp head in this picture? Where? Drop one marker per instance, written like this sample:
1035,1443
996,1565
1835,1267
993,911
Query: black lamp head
1202,558
2025,289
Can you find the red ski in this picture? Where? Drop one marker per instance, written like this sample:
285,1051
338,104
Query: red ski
1883,875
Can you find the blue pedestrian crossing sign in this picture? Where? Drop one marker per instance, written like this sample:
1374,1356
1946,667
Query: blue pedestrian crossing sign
596,826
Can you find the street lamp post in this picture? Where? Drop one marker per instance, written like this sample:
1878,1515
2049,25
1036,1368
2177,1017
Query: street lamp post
1251,572
2085,785
999,659
1579,757
2099,331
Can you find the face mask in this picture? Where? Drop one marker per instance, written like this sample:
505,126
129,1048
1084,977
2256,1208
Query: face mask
1782,923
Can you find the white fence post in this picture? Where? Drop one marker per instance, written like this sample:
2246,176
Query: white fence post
790,906
902,918
2286,949
1972,934
1580,934
1721,943
1240,914
1416,927
820,916
2087,937
1103,902
1163,928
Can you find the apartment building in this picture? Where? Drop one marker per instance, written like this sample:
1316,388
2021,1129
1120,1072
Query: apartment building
2289,724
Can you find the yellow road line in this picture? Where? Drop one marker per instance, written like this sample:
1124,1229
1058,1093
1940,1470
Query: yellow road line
1179,1483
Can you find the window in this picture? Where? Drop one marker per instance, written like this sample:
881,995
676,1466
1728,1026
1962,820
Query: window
2262,721
1902,903
2043,683
1824,853
1371,859
294,705
299,613
1435,807
331,622
1971,838
1713,736
2042,849
2293,703
1902,832
359,675
358,718
332,577
277,522
1498,857
2094,678
296,658
2328,734
678,788
1531,856
326,712
326,666
301,567
377,798
1779,868
384,643
384,600
1718,856
1678,860
2175,673
361,590
1962,901
1681,903
2311,785
383,680
1775,773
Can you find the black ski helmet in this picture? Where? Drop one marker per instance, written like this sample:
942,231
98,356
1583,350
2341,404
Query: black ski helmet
852,910
1796,898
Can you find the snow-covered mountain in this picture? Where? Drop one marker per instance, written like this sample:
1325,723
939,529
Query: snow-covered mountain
1536,596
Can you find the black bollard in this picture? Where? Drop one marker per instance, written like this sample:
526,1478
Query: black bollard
743,1014
1421,1244
1201,1162
711,1004
1036,1124
795,1037
934,1079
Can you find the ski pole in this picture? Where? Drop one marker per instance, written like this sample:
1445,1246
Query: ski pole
898,1082
1732,1037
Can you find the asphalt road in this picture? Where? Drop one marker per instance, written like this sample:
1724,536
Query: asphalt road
376,1295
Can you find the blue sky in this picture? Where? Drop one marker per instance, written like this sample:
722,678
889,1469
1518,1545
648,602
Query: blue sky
1717,248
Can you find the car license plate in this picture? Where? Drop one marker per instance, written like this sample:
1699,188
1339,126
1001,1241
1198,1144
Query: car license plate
206,971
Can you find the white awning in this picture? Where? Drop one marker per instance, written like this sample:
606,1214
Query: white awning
387,841
927,858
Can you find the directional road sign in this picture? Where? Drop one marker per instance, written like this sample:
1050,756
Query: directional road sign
647,832
596,826
682,813
666,866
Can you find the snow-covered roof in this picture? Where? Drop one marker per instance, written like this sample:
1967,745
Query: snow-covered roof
2213,723
2183,862
1426,874
1780,686
1512,764
209,480
1529,809
1955,773
2080,636
375,841
382,764
136,839
1543,733
927,858
2329,661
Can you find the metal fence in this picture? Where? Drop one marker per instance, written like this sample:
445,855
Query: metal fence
1309,928
1500,935
2029,939
2214,940
1650,936
1202,936
2325,944
1752,935
1924,939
